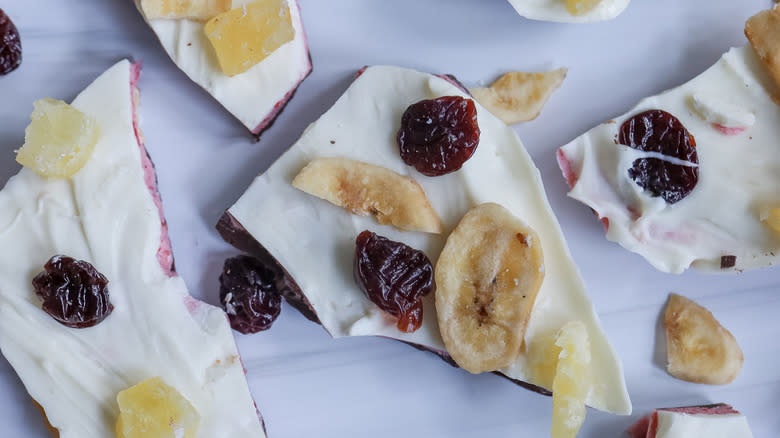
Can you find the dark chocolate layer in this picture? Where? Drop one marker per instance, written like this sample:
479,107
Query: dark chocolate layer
235,234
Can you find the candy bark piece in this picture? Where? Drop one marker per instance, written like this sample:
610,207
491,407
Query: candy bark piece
109,214
362,125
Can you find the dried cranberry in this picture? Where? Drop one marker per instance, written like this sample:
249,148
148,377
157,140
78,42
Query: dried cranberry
393,276
249,294
437,136
10,45
660,132
73,292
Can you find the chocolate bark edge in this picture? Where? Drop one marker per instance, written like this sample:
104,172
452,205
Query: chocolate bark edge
447,358
234,233
258,131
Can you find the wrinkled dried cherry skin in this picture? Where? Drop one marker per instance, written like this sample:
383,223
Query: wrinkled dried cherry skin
393,276
249,294
437,136
73,292
658,131
10,45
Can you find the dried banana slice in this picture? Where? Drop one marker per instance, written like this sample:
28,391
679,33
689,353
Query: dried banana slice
487,278
763,32
699,349
519,97
366,189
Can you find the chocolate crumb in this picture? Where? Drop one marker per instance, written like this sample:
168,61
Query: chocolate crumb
728,261
333,142
189,44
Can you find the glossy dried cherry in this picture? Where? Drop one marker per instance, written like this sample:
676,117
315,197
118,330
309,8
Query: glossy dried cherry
73,292
660,132
10,45
437,136
249,294
393,276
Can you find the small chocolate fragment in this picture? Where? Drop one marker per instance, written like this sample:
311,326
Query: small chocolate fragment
728,261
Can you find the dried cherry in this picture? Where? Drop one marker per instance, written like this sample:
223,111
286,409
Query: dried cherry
73,292
437,136
10,45
660,132
393,276
249,294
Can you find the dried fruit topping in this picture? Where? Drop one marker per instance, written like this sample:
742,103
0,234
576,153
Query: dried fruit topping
10,45
698,348
518,97
191,9
437,136
250,294
152,409
59,140
393,276
248,34
660,132
572,381
581,7
773,219
366,189
488,276
763,32
73,292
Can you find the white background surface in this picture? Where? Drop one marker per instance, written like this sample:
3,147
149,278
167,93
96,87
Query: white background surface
308,385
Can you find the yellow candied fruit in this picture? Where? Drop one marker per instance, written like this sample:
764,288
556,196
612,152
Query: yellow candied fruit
246,35
59,140
572,380
773,219
152,409
581,7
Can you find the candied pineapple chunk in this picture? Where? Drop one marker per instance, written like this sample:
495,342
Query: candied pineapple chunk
581,7
192,9
572,380
59,140
152,409
773,219
245,36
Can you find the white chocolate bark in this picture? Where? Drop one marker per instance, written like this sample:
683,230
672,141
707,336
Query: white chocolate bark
315,240
254,97
730,112
681,425
555,10
106,215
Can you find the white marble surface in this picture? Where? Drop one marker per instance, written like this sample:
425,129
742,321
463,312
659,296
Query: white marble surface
309,385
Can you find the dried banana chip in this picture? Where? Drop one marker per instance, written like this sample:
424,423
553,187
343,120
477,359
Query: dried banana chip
519,97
